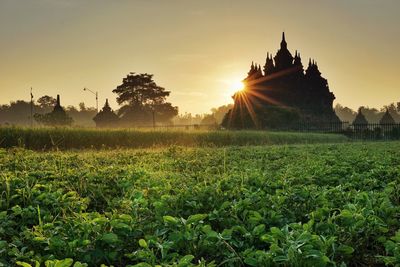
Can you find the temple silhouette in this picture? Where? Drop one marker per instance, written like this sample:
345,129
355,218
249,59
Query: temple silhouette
106,118
282,93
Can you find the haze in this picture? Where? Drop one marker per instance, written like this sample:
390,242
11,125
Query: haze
195,49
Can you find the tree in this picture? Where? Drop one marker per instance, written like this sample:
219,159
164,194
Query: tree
345,113
208,119
82,106
58,117
143,100
219,112
46,102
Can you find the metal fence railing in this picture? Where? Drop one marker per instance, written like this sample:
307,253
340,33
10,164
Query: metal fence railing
369,131
374,131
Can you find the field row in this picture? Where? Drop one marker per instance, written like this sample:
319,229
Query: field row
75,138
304,205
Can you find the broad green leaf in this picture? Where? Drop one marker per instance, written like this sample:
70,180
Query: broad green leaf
227,234
185,261
23,264
196,218
170,220
280,259
110,238
143,243
345,249
59,263
258,230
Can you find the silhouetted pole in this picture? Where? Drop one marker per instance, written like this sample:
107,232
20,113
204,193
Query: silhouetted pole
97,97
31,108
154,118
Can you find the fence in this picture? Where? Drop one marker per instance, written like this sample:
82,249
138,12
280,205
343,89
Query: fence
373,131
369,131
179,127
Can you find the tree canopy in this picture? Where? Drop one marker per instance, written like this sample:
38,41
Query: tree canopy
46,102
142,100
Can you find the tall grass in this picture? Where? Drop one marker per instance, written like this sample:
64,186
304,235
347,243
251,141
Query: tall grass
73,138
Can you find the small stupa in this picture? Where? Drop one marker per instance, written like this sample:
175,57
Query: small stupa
360,118
387,119
106,117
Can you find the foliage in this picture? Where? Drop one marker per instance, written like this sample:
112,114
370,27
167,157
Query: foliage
208,119
372,115
46,102
54,119
142,98
308,205
18,113
219,112
68,138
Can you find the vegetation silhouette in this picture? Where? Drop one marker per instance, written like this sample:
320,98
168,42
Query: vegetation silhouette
58,117
143,101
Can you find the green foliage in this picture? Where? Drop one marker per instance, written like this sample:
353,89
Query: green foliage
393,250
54,119
304,205
70,138
142,98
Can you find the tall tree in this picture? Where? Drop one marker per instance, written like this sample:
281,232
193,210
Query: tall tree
143,101
46,102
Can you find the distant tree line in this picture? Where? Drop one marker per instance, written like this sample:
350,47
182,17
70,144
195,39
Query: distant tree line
19,112
214,117
142,103
372,115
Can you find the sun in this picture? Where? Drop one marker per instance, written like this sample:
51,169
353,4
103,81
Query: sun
235,86
231,85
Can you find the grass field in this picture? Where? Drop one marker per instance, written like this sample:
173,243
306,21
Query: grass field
289,205
70,138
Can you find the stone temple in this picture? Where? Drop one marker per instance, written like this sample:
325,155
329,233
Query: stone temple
282,88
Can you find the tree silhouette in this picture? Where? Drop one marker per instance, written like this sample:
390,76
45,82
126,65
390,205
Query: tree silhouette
143,101
46,102
58,117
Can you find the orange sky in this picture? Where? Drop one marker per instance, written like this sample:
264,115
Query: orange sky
195,49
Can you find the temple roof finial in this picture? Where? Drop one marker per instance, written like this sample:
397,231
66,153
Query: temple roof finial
283,43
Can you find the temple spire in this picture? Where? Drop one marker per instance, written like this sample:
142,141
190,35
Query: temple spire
58,100
283,43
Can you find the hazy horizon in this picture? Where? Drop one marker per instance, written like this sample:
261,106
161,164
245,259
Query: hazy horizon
195,49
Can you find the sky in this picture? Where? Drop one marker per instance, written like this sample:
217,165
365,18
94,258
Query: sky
198,50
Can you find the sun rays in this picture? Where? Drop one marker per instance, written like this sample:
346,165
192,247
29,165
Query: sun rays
251,93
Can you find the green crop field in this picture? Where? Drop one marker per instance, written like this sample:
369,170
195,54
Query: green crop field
288,205
75,138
